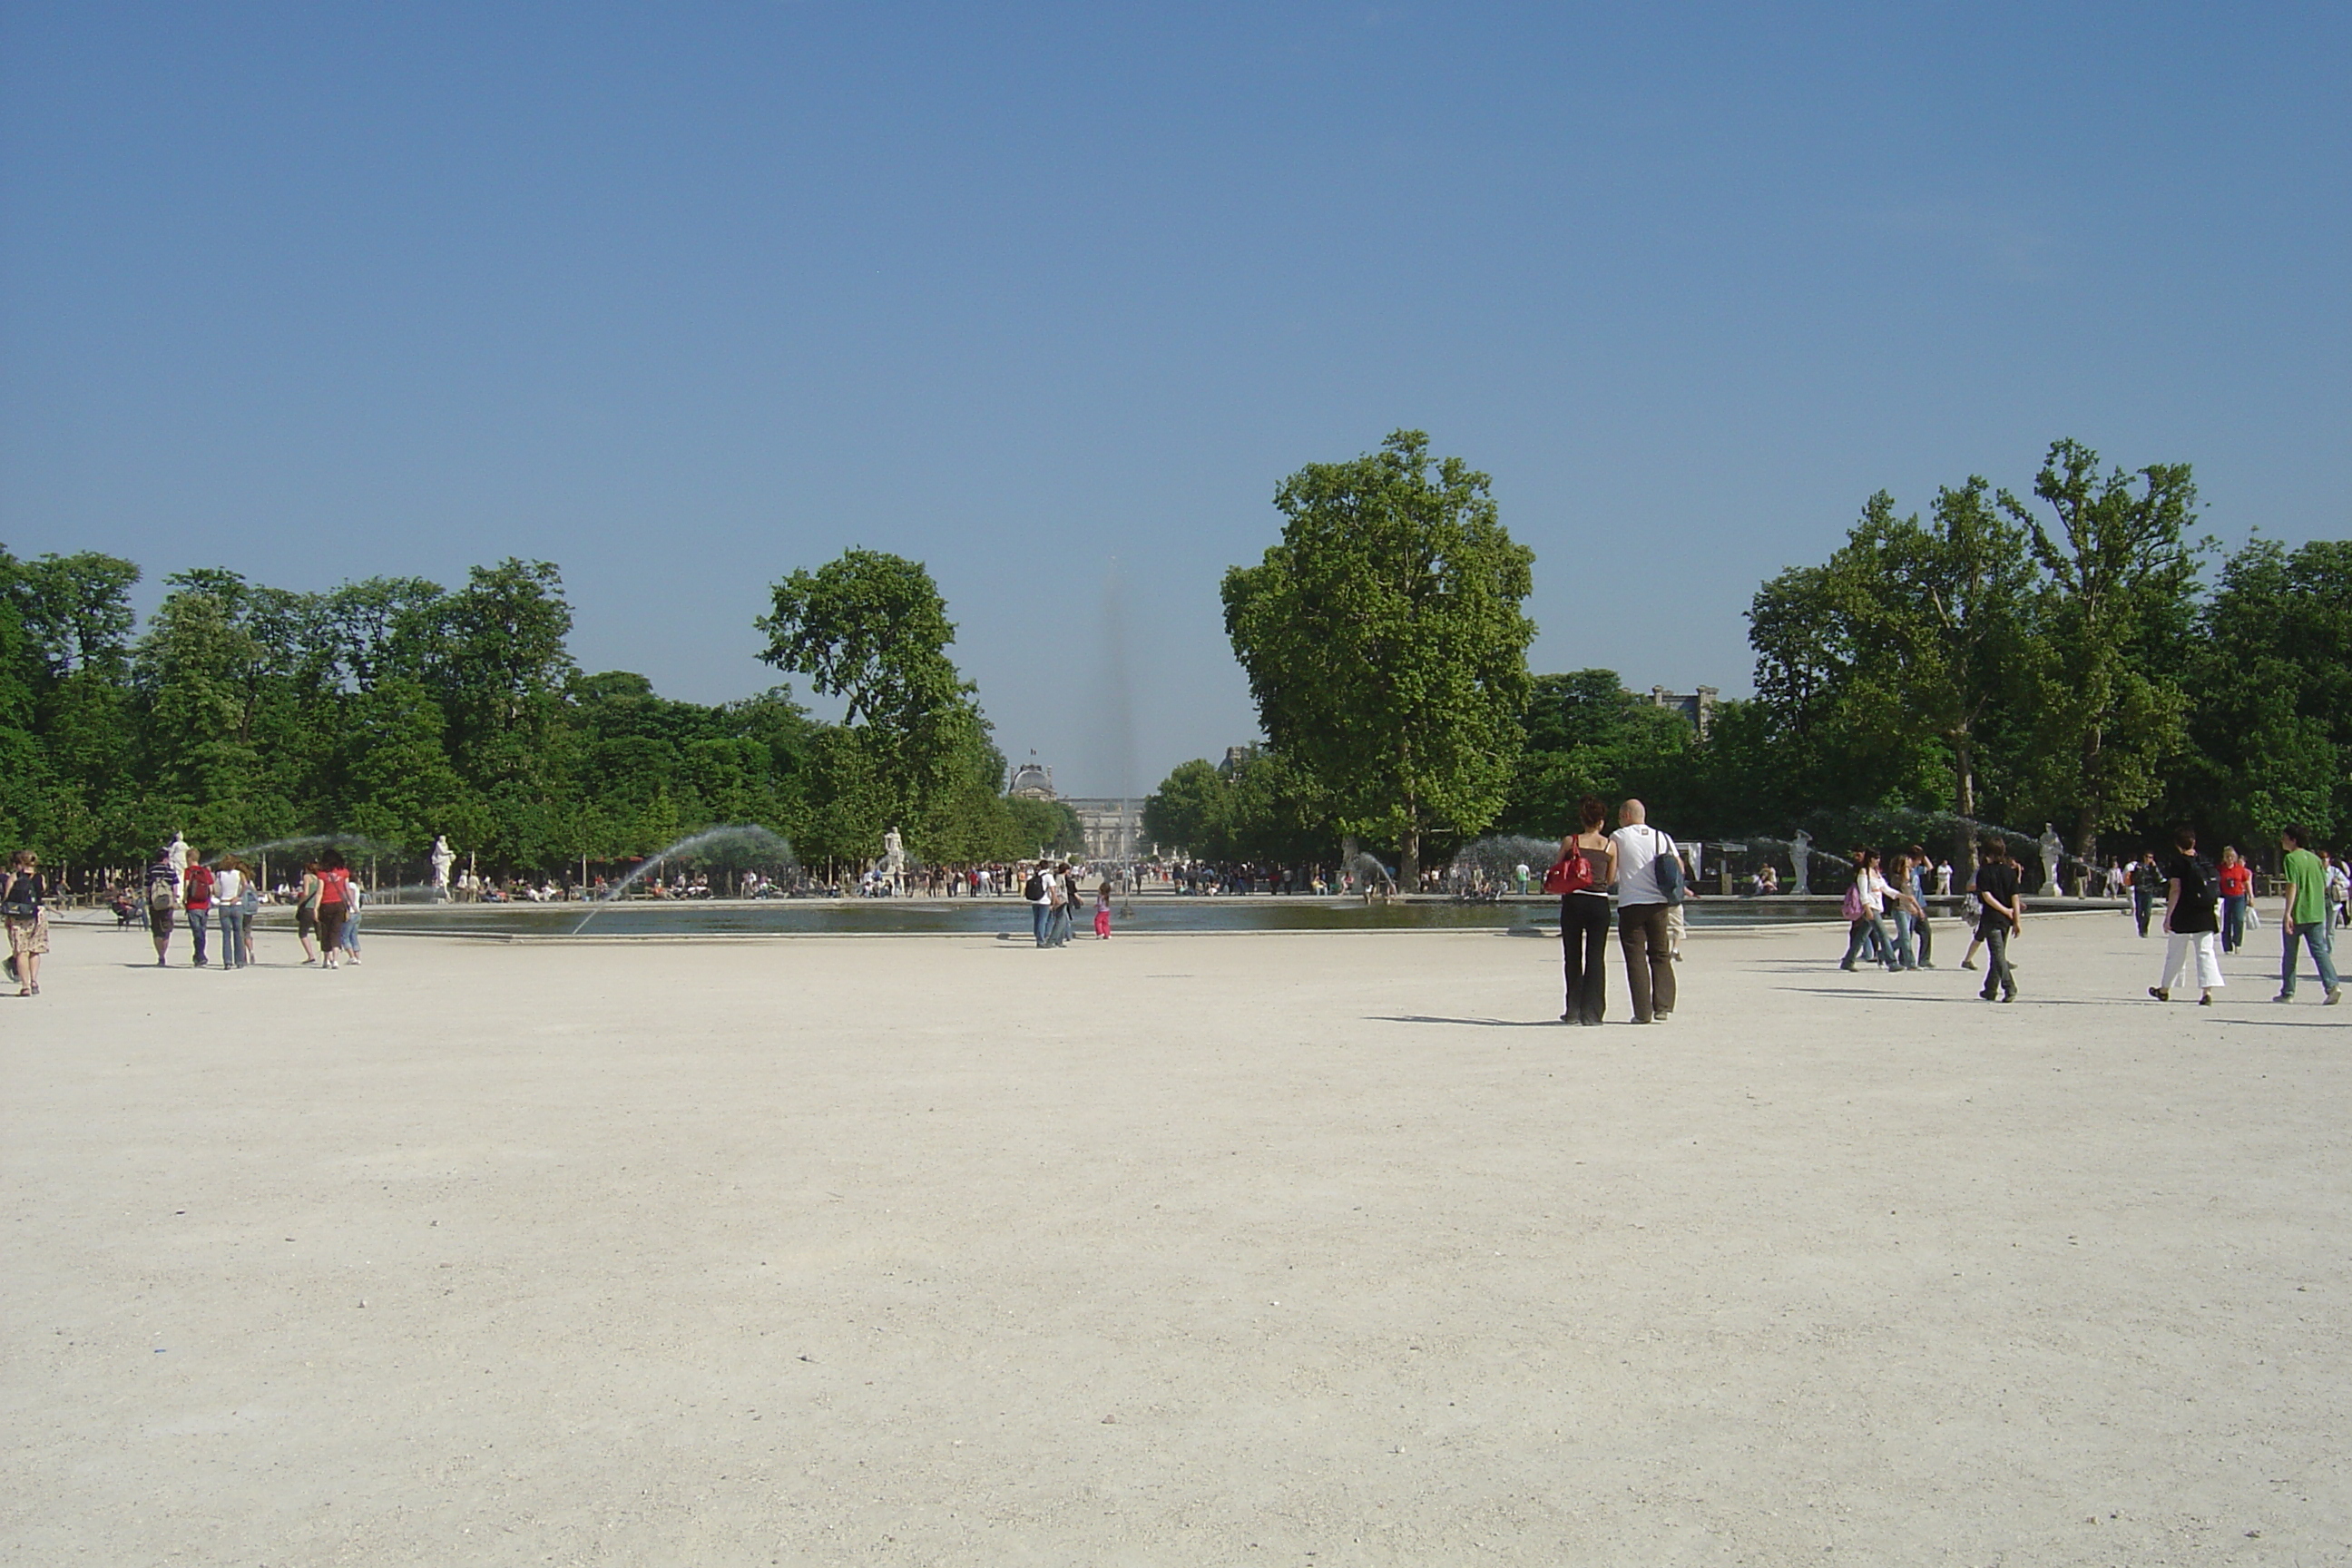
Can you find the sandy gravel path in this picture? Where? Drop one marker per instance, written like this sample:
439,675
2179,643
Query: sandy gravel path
1245,1249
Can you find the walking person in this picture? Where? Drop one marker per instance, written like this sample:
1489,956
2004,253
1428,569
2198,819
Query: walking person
196,898
2001,913
1649,881
1587,865
1036,891
2148,887
2305,918
1102,910
162,904
2236,880
1911,927
230,881
250,908
305,912
352,924
1865,902
2192,924
25,906
334,904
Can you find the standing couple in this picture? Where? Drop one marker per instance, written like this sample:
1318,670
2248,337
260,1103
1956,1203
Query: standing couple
1645,867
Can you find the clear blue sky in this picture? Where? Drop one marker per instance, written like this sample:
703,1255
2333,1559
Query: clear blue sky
684,295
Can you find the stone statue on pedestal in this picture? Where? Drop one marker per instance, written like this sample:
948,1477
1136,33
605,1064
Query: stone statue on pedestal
2053,848
1799,851
893,855
442,859
177,853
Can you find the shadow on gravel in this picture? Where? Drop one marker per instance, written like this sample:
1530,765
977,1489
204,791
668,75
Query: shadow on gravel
1471,1023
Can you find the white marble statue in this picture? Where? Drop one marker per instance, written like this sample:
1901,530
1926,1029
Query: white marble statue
442,860
2053,848
178,854
1799,851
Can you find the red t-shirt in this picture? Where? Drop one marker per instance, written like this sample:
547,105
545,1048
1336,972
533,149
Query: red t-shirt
196,887
334,887
2237,880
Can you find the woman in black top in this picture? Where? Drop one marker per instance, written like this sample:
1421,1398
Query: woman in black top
25,899
1584,917
2191,922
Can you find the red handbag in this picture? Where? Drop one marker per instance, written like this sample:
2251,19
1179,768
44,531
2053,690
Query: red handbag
1570,874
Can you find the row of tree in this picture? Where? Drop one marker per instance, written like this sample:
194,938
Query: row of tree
2056,657
394,709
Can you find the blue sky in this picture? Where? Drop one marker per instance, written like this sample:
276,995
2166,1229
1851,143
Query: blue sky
683,296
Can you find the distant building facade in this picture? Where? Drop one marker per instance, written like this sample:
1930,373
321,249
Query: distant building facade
1109,826
1699,707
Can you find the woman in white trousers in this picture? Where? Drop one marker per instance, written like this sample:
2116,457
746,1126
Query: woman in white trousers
2191,924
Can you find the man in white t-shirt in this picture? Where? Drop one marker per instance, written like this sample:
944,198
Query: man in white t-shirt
1642,906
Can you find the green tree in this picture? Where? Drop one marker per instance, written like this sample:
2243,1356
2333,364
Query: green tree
872,628
2114,617
1190,812
2270,683
1385,645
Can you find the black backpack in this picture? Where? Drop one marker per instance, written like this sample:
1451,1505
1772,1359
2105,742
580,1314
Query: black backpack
1033,888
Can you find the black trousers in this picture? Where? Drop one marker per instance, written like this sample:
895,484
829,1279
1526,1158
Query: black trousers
1649,959
1584,954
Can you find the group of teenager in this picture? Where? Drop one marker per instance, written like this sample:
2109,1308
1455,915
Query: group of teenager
1054,897
225,892
2205,909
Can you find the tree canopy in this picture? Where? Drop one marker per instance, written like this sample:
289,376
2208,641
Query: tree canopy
1385,641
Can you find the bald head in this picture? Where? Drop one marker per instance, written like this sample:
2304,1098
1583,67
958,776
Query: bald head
1632,814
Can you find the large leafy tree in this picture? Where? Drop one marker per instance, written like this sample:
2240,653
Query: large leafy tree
1385,645
2270,681
872,629
2113,616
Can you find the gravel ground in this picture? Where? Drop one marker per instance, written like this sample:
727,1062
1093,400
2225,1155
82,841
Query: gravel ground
1238,1249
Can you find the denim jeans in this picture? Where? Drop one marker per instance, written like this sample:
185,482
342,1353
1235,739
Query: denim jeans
231,929
197,924
2233,923
2315,935
1868,936
2143,905
1037,914
1908,926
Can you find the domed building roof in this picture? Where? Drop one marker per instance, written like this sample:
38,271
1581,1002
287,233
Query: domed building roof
1033,781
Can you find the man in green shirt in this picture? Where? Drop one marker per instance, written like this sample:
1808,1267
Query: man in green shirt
2306,917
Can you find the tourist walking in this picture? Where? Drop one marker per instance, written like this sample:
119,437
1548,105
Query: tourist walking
2148,887
25,906
1587,866
335,905
1102,910
196,898
305,912
2306,917
1649,881
1865,902
162,904
352,923
2236,880
1911,927
1038,890
2191,925
2001,913
230,881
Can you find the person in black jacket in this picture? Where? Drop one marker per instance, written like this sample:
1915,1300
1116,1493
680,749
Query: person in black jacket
2191,924
24,894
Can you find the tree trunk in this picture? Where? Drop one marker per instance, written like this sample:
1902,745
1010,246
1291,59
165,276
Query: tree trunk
1964,754
1409,859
